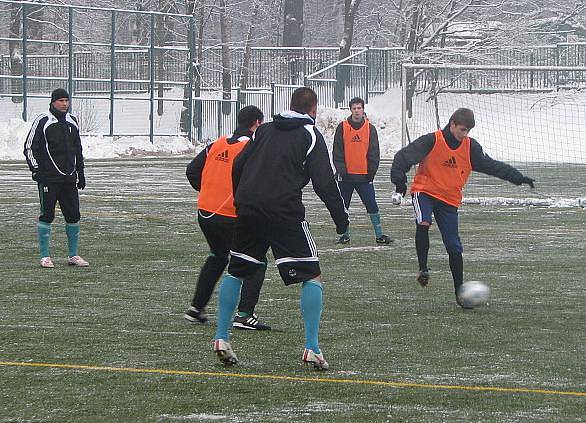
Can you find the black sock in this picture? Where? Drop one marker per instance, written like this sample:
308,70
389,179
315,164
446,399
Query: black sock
422,245
208,277
457,268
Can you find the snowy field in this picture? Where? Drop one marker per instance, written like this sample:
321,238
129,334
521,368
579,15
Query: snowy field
108,343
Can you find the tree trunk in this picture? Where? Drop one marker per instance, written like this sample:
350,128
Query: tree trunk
342,72
196,8
247,52
293,24
226,62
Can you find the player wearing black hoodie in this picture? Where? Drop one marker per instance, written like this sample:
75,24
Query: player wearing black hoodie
269,176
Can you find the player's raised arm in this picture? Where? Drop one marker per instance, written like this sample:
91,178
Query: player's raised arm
483,163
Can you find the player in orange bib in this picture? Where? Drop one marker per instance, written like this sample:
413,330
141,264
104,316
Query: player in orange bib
445,157
356,157
210,173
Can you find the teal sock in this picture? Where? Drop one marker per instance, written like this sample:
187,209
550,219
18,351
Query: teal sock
228,297
375,220
72,231
243,314
311,307
44,232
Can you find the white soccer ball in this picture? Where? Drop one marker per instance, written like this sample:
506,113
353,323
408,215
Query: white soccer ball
473,294
396,198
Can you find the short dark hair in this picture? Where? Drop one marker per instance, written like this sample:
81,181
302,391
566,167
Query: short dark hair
247,116
356,100
303,100
464,117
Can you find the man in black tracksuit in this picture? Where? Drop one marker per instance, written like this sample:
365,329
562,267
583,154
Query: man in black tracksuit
269,177
445,160
54,155
210,173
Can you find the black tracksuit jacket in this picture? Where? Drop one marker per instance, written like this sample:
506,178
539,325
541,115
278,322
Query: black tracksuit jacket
53,148
271,172
422,146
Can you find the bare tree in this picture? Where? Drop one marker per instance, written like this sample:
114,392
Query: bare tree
247,50
293,23
226,62
15,50
350,9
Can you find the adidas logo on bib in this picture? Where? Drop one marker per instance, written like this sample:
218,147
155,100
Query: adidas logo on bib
223,156
450,163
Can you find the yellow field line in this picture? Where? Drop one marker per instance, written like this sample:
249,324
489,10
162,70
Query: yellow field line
294,378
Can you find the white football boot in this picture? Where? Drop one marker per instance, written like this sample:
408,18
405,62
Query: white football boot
316,360
224,352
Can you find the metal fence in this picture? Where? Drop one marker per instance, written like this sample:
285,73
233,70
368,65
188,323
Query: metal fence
111,78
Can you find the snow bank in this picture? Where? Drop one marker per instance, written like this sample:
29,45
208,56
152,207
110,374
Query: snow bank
14,132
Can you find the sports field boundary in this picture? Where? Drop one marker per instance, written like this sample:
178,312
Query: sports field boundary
292,378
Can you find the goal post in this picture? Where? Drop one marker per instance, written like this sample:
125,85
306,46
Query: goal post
532,117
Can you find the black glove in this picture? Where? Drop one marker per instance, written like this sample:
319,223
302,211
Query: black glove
80,179
401,188
36,176
341,229
528,181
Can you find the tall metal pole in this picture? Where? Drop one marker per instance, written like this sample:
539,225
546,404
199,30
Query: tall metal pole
70,52
24,61
112,70
152,80
190,43
403,106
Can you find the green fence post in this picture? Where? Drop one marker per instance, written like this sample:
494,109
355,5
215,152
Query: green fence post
70,52
273,99
367,71
190,42
112,70
152,79
24,61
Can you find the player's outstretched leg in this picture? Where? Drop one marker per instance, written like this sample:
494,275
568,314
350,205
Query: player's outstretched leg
228,296
311,308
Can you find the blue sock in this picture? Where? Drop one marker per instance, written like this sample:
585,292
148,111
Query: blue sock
44,232
375,220
72,231
311,307
228,297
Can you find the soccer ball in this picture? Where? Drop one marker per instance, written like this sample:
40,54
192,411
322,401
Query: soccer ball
396,198
473,294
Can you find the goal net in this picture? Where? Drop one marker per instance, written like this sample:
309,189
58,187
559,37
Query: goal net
533,118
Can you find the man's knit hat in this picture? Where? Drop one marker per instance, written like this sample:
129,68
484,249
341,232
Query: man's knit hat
59,93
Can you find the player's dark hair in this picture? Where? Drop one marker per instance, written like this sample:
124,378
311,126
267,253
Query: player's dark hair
356,100
303,100
247,116
464,117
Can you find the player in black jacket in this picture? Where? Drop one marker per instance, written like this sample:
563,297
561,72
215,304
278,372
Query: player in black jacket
269,176
54,155
445,160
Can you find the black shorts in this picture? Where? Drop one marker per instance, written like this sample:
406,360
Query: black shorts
67,196
291,242
217,230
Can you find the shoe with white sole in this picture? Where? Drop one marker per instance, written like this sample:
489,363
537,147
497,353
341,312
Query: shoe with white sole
250,323
193,315
316,360
47,262
224,352
77,261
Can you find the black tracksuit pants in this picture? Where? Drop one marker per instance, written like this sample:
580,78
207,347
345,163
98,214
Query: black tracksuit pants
218,230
